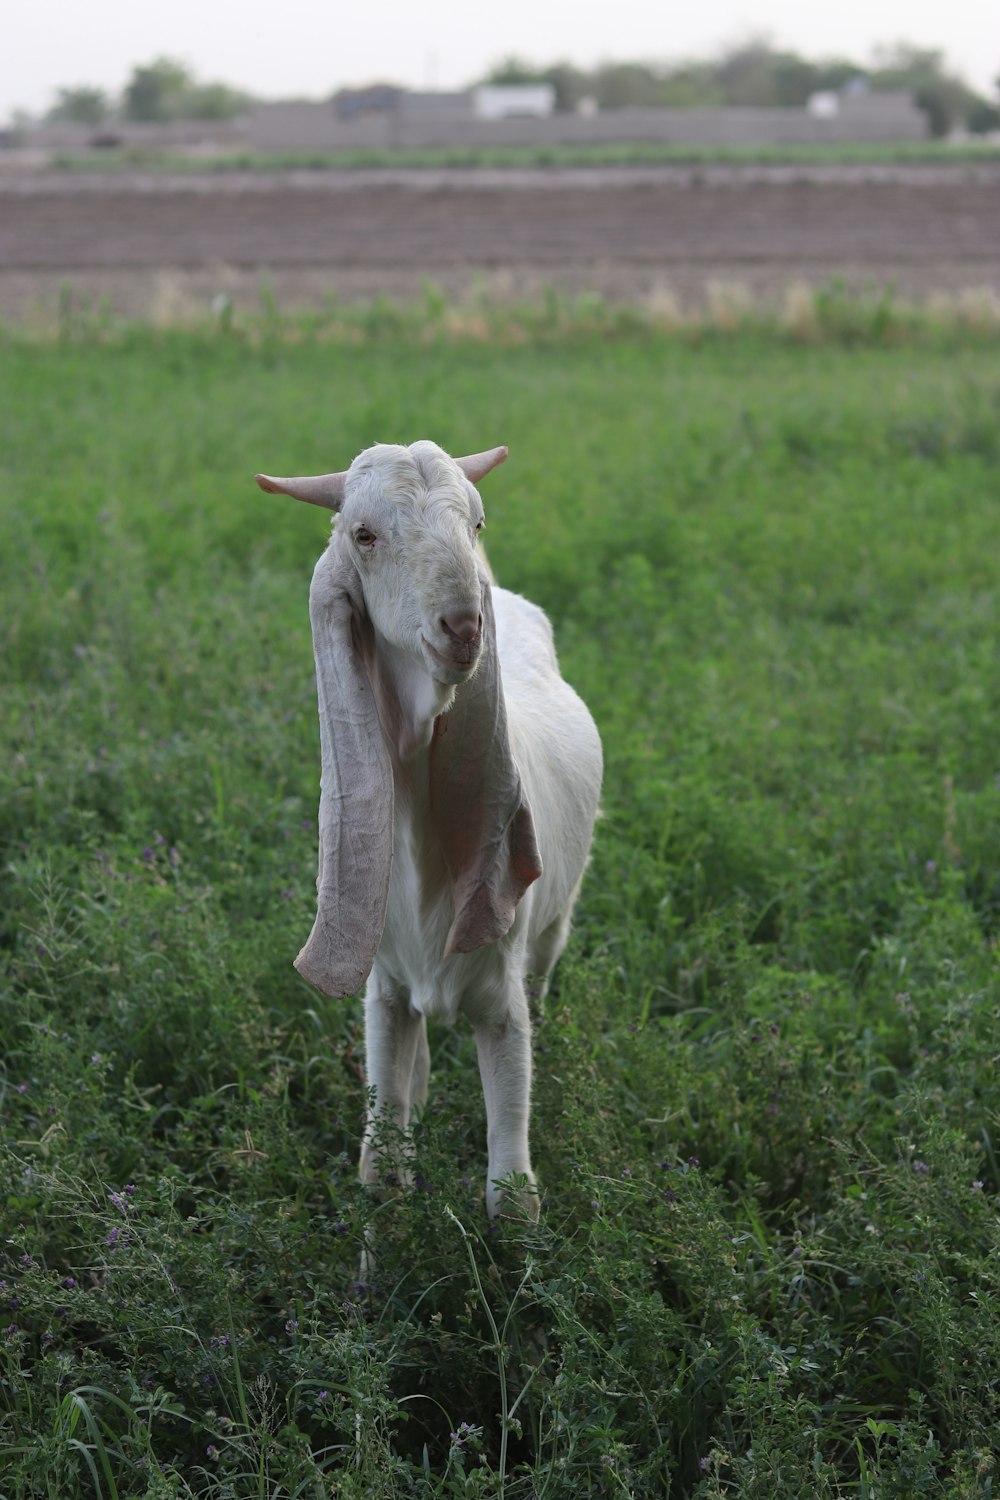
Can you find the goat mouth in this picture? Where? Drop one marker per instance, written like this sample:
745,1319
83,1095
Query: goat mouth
461,659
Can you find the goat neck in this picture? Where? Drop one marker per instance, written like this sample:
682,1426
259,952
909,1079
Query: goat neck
410,701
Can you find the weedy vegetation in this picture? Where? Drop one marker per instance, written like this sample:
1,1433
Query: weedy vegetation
766,1100
971,151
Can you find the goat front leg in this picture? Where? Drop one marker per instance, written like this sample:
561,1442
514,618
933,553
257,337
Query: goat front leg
395,1049
505,1068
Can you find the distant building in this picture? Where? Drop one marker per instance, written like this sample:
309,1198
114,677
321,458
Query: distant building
525,115
514,101
387,99
824,105
353,104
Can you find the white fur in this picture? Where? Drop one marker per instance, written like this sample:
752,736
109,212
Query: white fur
424,567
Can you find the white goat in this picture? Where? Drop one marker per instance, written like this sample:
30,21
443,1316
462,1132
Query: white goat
454,759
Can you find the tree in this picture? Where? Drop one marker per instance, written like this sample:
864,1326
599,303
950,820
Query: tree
157,91
216,101
755,73
625,85
513,69
570,83
983,117
691,85
921,71
82,105
165,89
746,74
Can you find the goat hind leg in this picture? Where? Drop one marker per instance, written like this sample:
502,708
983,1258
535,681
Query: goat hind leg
543,954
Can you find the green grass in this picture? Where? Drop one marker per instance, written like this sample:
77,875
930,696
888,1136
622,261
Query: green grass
766,1107
619,154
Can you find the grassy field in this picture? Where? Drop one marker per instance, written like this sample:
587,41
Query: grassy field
766,1101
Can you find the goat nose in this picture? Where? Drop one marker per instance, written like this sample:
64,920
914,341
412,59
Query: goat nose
462,624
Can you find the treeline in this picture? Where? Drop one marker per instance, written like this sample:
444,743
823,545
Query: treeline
756,73
162,90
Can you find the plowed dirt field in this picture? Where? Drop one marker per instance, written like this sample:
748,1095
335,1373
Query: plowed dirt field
146,242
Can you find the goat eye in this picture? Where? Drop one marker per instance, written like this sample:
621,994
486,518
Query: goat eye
364,537
480,525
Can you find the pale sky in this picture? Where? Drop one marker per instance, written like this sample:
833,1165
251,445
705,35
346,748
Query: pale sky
308,48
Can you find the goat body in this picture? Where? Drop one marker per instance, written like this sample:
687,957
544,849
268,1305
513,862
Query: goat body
461,778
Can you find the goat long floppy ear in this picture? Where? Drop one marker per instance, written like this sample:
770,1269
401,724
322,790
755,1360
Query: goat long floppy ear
479,806
356,797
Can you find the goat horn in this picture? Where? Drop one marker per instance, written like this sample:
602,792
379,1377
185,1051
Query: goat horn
316,489
476,466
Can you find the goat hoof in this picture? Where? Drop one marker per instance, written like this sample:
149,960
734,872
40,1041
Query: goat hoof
514,1198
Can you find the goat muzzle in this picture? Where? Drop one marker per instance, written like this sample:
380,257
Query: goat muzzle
457,655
